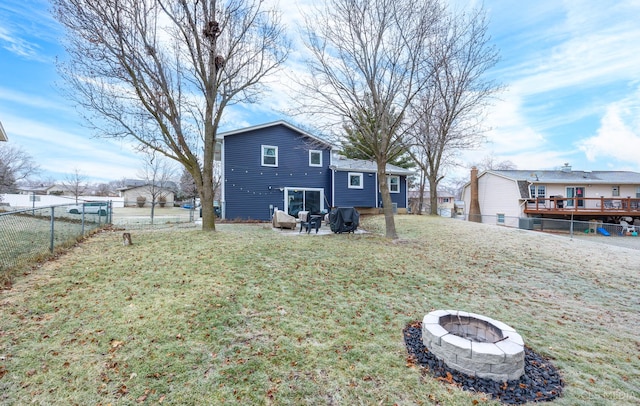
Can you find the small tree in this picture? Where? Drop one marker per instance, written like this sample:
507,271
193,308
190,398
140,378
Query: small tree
157,173
75,183
15,166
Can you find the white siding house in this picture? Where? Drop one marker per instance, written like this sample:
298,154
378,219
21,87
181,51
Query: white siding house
504,196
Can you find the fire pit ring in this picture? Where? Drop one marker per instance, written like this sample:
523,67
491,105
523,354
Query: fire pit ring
474,344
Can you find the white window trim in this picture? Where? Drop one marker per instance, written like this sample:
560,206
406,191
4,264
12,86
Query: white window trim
262,155
389,183
500,218
358,174
315,151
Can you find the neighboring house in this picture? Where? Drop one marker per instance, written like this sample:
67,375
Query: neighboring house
33,190
279,166
506,195
136,188
445,202
3,134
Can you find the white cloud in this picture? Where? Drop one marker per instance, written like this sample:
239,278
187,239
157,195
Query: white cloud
618,137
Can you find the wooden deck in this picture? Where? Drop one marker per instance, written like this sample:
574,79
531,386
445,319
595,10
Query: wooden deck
585,206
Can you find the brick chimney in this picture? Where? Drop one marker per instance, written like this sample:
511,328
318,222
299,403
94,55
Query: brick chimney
474,205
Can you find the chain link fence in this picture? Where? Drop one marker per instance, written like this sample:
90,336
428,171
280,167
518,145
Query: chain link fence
31,234
595,230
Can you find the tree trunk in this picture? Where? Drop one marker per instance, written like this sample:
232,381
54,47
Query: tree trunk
387,205
421,201
433,196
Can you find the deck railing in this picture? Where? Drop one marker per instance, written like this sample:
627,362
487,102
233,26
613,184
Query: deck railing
603,205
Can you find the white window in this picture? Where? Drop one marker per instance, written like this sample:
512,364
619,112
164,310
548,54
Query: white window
615,191
315,158
394,184
638,191
500,218
269,155
355,180
538,191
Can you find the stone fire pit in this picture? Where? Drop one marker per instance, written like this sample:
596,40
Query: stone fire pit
474,344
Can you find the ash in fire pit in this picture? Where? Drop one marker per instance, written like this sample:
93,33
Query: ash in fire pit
474,344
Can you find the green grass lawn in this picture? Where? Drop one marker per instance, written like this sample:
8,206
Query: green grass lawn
247,315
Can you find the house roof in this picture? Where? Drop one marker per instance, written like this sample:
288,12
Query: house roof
3,135
136,183
273,124
340,163
566,175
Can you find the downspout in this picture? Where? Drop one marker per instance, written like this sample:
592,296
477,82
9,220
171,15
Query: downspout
376,190
223,206
333,188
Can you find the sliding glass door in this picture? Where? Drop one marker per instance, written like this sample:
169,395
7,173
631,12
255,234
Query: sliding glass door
304,199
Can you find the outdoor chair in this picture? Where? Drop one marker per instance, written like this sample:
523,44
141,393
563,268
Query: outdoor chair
309,221
626,227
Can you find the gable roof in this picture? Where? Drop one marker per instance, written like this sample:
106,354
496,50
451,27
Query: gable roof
340,163
273,124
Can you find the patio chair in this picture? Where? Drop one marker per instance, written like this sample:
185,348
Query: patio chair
626,227
309,221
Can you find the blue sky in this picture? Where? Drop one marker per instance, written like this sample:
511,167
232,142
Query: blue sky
571,68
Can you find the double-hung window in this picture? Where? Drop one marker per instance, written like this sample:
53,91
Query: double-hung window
394,184
269,155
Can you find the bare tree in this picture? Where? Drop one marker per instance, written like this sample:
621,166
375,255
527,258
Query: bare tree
163,71
102,189
369,60
490,162
188,187
15,165
75,183
157,174
448,113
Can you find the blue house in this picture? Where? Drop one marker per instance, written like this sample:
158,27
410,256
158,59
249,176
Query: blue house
279,166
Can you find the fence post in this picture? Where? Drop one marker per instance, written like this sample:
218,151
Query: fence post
52,233
82,228
571,227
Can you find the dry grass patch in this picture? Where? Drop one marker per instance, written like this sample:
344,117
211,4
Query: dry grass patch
247,315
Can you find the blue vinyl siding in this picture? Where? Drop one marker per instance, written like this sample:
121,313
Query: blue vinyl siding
365,197
399,198
251,188
345,197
